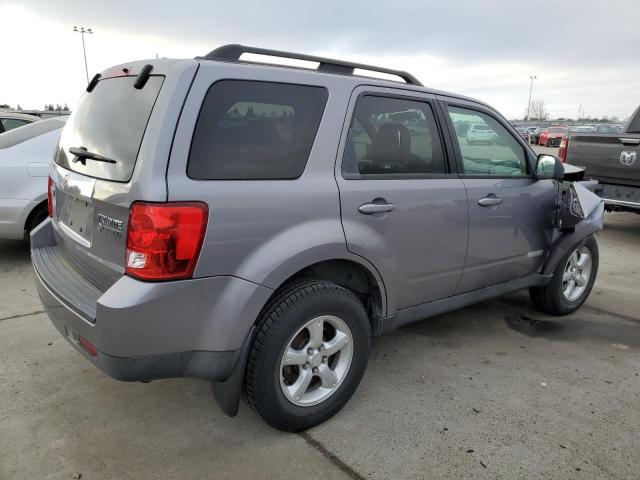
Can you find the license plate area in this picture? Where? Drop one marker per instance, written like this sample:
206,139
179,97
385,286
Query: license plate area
76,217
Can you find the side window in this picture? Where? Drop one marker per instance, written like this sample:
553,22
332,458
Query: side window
392,136
250,130
487,147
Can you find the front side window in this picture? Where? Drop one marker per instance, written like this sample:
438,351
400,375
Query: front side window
249,130
487,147
391,137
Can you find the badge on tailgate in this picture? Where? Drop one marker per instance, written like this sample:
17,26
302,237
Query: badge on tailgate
110,225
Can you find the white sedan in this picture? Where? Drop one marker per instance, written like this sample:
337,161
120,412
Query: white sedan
481,133
25,156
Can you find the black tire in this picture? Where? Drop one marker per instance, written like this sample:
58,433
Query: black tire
37,217
550,298
291,308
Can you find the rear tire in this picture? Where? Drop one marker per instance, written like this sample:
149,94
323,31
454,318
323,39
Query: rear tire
288,381
564,294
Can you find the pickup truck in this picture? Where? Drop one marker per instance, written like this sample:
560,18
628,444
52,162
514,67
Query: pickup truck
613,160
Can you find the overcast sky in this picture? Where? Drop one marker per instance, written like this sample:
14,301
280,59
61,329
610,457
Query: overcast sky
583,52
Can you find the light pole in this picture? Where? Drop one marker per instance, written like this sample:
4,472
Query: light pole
82,31
532,77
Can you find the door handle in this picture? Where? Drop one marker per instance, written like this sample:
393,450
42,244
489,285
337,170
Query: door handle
372,208
489,201
630,141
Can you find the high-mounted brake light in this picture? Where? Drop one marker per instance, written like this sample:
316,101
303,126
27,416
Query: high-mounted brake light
50,187
562,152
164,239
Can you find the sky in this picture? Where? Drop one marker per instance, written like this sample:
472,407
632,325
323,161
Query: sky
584,53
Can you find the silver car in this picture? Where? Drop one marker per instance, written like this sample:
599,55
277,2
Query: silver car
25,156
255,225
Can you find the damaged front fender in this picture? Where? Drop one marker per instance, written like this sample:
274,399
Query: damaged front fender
580,215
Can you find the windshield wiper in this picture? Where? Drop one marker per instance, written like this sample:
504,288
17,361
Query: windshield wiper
82,154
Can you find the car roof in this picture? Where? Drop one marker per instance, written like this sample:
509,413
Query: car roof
19,116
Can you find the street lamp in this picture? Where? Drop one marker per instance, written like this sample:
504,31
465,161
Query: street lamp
82,31
532,77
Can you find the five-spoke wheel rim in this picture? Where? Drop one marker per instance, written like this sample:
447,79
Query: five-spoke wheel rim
577,272
316,360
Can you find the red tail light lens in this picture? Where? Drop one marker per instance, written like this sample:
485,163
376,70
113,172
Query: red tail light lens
88,347
164,239
50,187
562,152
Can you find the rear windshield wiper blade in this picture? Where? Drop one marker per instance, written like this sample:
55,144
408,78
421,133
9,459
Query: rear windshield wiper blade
82,154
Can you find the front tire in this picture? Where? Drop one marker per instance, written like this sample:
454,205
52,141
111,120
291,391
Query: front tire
572,281
308,356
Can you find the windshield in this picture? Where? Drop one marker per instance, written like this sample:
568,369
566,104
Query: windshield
109,121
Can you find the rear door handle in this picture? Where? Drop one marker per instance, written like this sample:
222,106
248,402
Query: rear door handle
489,201
630,141
371,208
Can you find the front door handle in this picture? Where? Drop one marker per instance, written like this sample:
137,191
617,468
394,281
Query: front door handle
630,141
489,201
372,208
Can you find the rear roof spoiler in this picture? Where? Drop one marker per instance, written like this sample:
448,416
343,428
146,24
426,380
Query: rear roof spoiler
233,52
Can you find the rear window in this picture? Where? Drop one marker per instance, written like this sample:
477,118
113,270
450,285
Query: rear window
249,130
27,132
557,130
109,121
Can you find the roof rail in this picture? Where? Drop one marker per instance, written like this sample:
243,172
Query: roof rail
233,52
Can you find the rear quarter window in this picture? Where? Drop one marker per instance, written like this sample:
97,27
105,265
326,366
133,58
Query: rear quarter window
251,130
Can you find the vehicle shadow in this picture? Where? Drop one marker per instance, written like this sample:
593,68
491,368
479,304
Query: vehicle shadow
514,312
13,252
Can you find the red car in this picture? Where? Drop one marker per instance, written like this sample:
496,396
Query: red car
552,136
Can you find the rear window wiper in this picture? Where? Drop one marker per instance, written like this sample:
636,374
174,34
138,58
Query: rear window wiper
82,154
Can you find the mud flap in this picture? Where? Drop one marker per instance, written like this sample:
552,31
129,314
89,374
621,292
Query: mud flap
227,393
579,214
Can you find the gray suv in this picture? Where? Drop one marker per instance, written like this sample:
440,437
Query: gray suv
255,225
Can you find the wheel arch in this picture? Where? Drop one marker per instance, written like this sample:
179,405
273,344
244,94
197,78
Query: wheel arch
349,271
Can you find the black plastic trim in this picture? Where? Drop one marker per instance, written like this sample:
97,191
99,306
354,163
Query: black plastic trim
233,52
205,365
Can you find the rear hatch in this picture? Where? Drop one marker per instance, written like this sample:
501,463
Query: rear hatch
112,152
613,158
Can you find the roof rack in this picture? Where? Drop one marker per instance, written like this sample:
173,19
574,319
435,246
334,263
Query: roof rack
233,52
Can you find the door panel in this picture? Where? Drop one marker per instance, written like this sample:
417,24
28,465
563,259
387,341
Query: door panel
420,246
507,240
401,208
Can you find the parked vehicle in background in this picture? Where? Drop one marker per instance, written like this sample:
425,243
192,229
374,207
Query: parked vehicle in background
523,133
11,120
534,135
481,133
551,137
582,129
238,230
25,158
608,129
611,158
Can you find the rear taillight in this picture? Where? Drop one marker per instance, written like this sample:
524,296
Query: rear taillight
88,347
164,239
562,152
50,187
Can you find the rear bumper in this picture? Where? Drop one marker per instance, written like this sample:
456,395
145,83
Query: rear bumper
146,331
619,196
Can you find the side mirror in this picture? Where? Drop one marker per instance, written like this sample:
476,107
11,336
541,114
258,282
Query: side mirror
549,167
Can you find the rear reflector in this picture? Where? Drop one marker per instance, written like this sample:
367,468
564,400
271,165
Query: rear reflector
88,347
50,187
164,239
